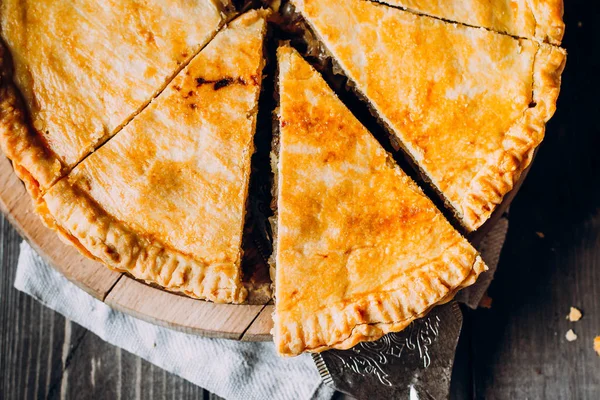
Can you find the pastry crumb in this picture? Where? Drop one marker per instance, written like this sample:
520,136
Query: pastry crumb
540,235
486,301
571,336
574,315
597,345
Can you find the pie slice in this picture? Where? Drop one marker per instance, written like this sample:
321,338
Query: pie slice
540,19
83,69
467,104
164,199
360,250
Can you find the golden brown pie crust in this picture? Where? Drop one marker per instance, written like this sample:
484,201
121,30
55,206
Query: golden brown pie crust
360,250
80,207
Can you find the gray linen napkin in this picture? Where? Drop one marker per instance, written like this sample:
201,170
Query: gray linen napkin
230,369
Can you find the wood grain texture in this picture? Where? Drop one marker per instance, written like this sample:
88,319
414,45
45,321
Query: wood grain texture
33,345
99,370
260,329
174,311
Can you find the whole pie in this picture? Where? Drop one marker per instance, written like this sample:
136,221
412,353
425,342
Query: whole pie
133,126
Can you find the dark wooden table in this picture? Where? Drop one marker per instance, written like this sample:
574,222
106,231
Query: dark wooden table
515,350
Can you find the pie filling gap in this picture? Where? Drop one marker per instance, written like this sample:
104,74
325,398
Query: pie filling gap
257,241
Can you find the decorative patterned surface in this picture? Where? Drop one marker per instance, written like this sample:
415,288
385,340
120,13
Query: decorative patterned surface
370,358
398,363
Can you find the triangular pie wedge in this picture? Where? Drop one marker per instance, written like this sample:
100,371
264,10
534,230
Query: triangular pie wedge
540,19
164,199
467,104
83,68
360,250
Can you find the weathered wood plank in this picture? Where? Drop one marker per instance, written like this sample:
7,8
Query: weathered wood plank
99,370
35,342
520,350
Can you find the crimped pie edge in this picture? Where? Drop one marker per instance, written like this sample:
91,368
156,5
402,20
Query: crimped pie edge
493,182
341,327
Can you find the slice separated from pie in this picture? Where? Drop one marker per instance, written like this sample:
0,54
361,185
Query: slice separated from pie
468,105
360,250
164,199
540,19
79,70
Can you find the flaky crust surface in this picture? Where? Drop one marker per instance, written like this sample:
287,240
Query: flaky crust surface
83,68
164,199
539,19
361,251
469,105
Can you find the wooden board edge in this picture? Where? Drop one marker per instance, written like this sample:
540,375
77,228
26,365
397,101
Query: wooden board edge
260,329
181,313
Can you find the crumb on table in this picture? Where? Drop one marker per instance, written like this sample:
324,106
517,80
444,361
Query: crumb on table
486,301
574,315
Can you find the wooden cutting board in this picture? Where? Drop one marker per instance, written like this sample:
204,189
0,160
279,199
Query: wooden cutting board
239,322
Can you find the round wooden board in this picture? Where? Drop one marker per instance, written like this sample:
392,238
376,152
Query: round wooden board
239,322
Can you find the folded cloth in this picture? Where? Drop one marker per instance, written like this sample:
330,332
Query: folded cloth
227,368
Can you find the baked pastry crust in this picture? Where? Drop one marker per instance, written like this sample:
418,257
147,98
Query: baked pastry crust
164,199
360,250
539,19
469,105
83,68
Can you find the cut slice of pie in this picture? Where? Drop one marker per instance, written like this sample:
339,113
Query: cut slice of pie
83,68
164,199
468,105
540,19
360,250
